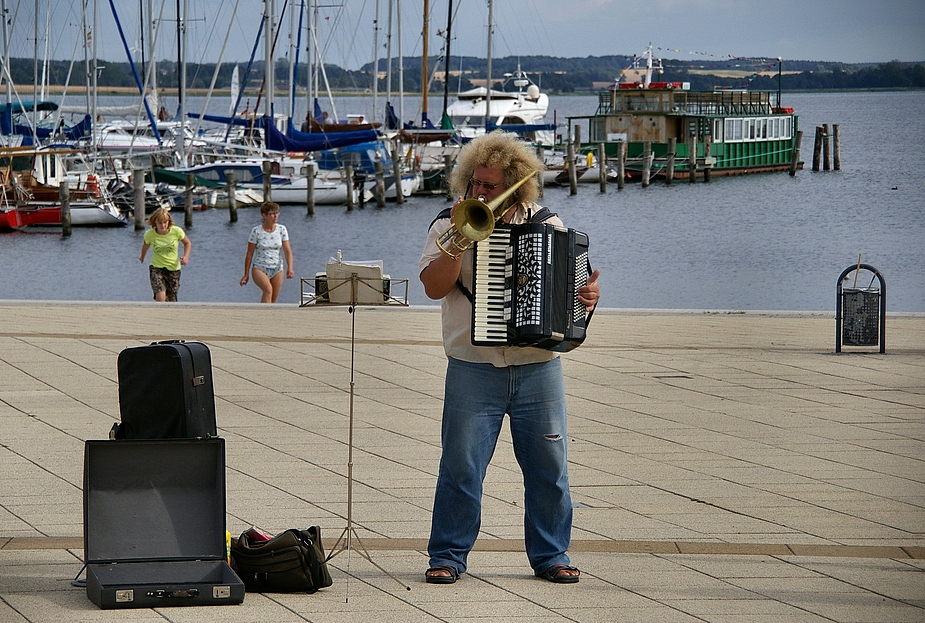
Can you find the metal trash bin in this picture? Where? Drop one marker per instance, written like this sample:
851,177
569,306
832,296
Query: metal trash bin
860,318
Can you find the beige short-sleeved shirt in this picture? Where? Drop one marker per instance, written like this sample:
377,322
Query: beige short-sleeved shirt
457,311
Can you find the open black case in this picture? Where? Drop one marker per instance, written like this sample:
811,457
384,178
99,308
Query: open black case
154,524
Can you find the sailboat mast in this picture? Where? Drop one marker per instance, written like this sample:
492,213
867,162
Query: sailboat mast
388,54
153,61
488,72
93,79
375,63
35,76
401,67
181,91
424,71
290,94
446,63
6,51
269,68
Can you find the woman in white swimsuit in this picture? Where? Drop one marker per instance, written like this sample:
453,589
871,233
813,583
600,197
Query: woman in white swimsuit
263,261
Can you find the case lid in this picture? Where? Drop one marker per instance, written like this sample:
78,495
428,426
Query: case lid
154,499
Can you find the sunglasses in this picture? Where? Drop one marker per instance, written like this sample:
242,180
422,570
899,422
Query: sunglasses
476,183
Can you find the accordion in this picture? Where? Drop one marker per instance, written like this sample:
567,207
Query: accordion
525,287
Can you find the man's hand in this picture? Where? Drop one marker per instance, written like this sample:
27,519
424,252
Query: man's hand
590,293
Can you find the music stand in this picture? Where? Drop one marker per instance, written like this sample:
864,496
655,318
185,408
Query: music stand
346,284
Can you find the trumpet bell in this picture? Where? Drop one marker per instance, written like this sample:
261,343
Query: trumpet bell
474,220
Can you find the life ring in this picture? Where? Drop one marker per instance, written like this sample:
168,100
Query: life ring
93,185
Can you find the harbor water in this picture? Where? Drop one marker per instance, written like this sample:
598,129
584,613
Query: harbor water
760,242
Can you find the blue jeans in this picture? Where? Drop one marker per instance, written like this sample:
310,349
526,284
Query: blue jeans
476,399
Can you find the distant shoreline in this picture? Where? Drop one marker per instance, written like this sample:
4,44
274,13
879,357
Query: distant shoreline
57,89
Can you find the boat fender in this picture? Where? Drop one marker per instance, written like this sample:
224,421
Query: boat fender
93,185
590,159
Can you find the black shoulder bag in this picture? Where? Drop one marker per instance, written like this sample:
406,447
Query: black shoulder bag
290,562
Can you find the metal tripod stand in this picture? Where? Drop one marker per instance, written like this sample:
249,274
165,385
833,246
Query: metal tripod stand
345,541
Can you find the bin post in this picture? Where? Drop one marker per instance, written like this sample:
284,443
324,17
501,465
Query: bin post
860,313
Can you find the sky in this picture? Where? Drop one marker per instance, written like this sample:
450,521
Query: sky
849,31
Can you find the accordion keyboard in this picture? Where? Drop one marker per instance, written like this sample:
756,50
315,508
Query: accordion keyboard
492,310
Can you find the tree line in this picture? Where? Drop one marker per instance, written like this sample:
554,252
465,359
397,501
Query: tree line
554,75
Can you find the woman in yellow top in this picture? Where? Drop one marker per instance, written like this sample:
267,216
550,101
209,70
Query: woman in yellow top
164,239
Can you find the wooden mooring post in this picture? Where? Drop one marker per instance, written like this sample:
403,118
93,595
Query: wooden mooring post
188,202
309,188
602,163
836,147
64,195
621,165
692,160
826,152
669,166
138,181
267,181
795,157
707,149
646,164
232,198
817,148
448,163
380,183
397,170
348,174
541,155
572,169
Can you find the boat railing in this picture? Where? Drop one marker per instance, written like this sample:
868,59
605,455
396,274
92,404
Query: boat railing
720,103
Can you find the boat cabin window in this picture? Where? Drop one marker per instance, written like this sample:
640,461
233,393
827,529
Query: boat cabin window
641,101
240,175
757,129
468,120
19,163
211,175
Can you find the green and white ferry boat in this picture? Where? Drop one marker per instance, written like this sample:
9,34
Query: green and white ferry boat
732,131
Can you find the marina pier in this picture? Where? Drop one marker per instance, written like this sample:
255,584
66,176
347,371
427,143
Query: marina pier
724,466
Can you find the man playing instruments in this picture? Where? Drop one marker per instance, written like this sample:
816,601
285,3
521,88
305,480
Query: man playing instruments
483,383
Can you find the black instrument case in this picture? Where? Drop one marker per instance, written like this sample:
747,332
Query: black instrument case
154,524
166,391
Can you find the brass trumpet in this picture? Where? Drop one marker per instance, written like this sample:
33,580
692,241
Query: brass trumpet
474,220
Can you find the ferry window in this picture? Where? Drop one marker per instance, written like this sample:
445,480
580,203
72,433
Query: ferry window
750,131
210,174
786,129
764,128
718,130
733,129
288,171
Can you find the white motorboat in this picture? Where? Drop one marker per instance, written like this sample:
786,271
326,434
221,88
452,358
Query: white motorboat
521,110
